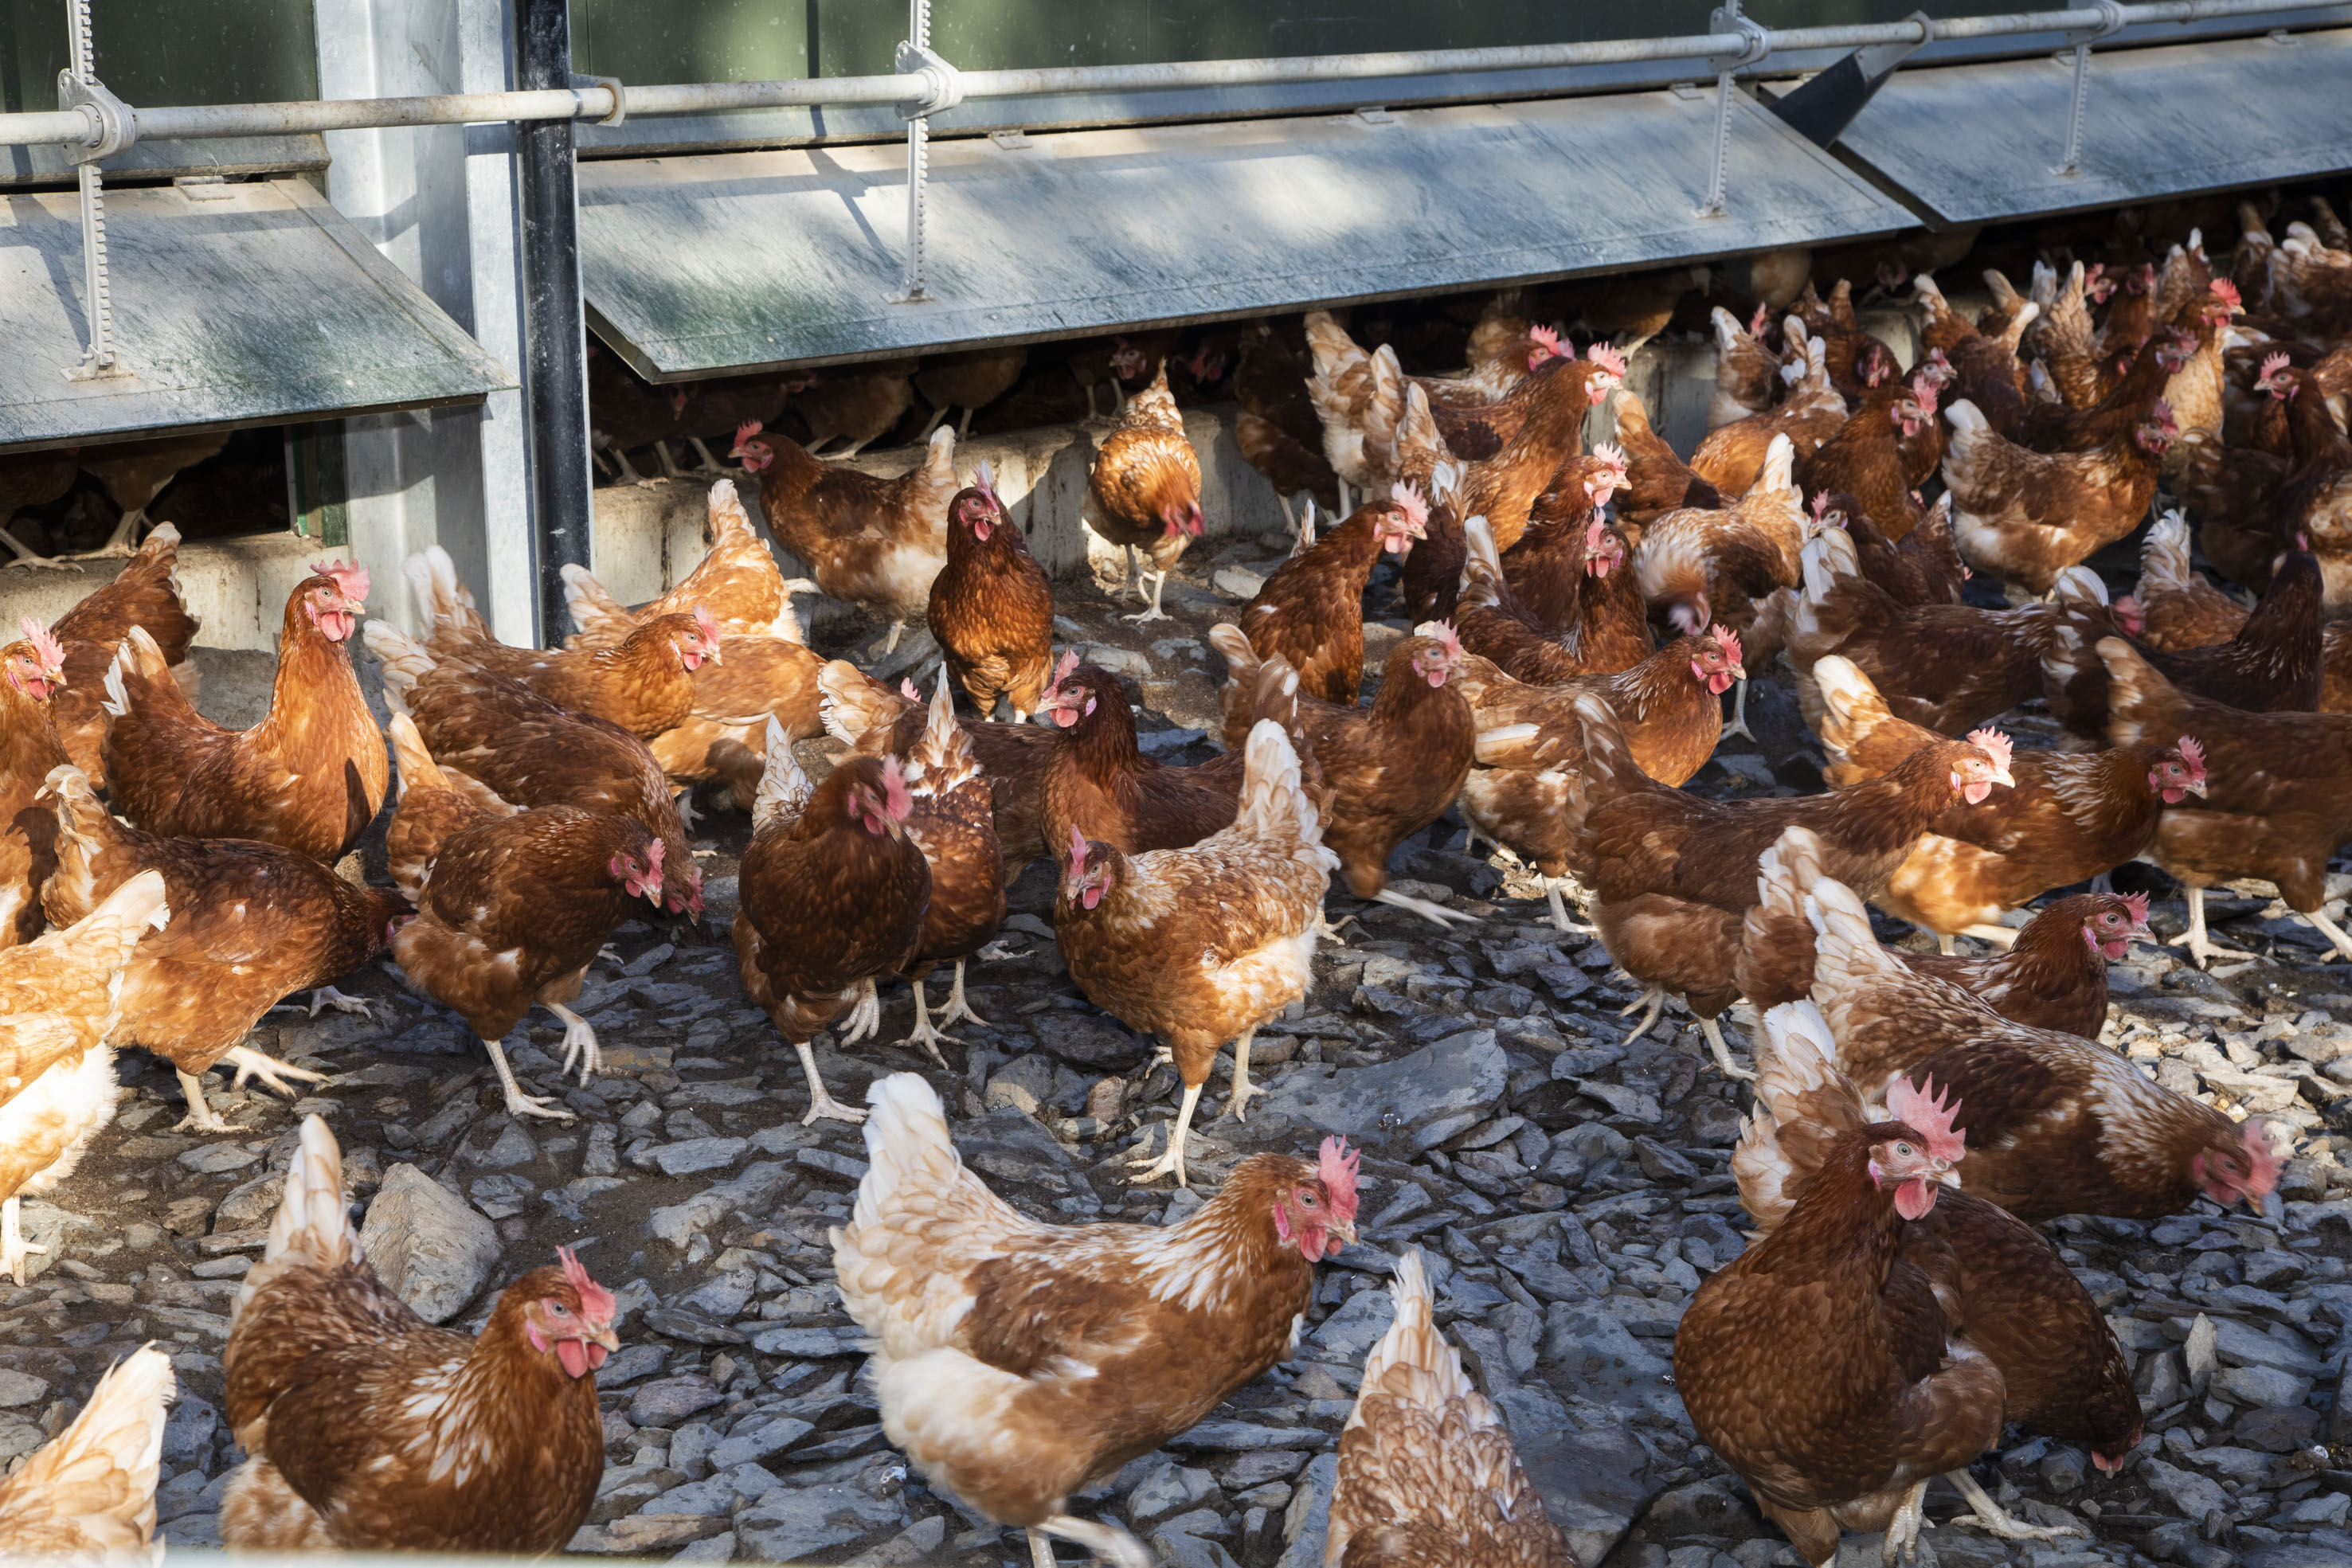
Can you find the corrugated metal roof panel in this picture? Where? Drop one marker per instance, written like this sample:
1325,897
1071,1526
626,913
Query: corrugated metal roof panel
1983,141
257,304
702,264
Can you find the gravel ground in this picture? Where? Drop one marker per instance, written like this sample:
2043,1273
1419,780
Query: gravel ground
1569,1189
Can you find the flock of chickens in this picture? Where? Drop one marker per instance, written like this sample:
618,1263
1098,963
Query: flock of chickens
1579,616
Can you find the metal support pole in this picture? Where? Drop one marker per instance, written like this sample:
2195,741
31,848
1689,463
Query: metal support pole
942,88
1757,43
555,370
2111,21
111,129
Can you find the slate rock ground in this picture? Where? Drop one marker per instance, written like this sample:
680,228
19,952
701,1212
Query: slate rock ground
1569,1188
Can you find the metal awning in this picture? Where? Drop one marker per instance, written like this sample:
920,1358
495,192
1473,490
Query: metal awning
1978,142
233,305
695,265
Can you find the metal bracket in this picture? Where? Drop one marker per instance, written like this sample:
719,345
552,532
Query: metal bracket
2111,21
113,127
942,83
1757,43
620,96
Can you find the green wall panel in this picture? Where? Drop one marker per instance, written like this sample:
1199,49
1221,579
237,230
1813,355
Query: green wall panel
165,51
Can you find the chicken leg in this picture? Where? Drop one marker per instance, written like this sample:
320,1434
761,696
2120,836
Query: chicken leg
328,997
821,1102
958,1007
201,1116
2336,934
1436,913
1172,1161
1738,725
1654,999
1722,1050
2202,947
25,557
1993,1520
12,1245
865,1017
122,542
1901,1541
1238,1103
1107,1542
520,1104
579,1042
1153,612
251,1063
924,1034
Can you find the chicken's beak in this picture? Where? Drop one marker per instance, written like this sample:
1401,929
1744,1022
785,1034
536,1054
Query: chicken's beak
2196,787
1344,1232
605,1337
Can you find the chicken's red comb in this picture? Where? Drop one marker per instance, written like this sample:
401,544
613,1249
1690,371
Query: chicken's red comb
1409,500
1927,1113
1727,640
1993,743
1067,667
910,690
1338,1169
655,853
1443,633
596,1302
1610,454
2136,905
2193,753
1546,338
985,478
1077,851
1923,391
350,580
46,647
748,429
707,623
1821,504
1608,357
1761,322
2273,364
2227,292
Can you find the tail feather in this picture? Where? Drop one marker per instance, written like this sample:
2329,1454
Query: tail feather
2164,561
1846,954
1482,567
417,768
1236,698
444,605
1775,963
2141,703
96,1481
784,789
139,674
312,1228
1803,1103
1860,733
1412,1339
600,619
406,661
1274,803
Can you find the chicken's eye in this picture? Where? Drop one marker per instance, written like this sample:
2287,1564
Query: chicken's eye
558,1310
1904,1150
1306,1199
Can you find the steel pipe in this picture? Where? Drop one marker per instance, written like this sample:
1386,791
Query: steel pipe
708,98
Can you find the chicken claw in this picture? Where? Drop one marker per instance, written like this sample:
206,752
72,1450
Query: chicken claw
578,1043
251,1063
1243,1090
958,1008
328,997
1654,999
1152,611
924,1034
1738,722
1107,1542
12,1245
1902,1542
201,1116
520,1104
1144,1168
27,557
865,1018
1436,913
1716,1043
1993,1520
2202,949
821,1102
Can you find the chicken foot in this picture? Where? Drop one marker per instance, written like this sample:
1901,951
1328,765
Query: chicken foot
12,1245
274,1074
958,1007
328,997
1109,1542
2202,947
1153,611
1172,1161
1436,913
579,1042
1993,1520
865,1017
25,557
1238,1101
924,1033
520,1104
1722,1050
1654,1001
709,464
821,1102
201,1116
122,542
1551,886
1738,725
1901,1541
2337,936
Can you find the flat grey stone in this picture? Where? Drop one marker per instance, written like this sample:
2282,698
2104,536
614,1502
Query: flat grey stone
214,1160
765,1442
671,1400
514,1147
1435,1087
791,1523
18,1389
694,1156
428,1244
2186,1493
